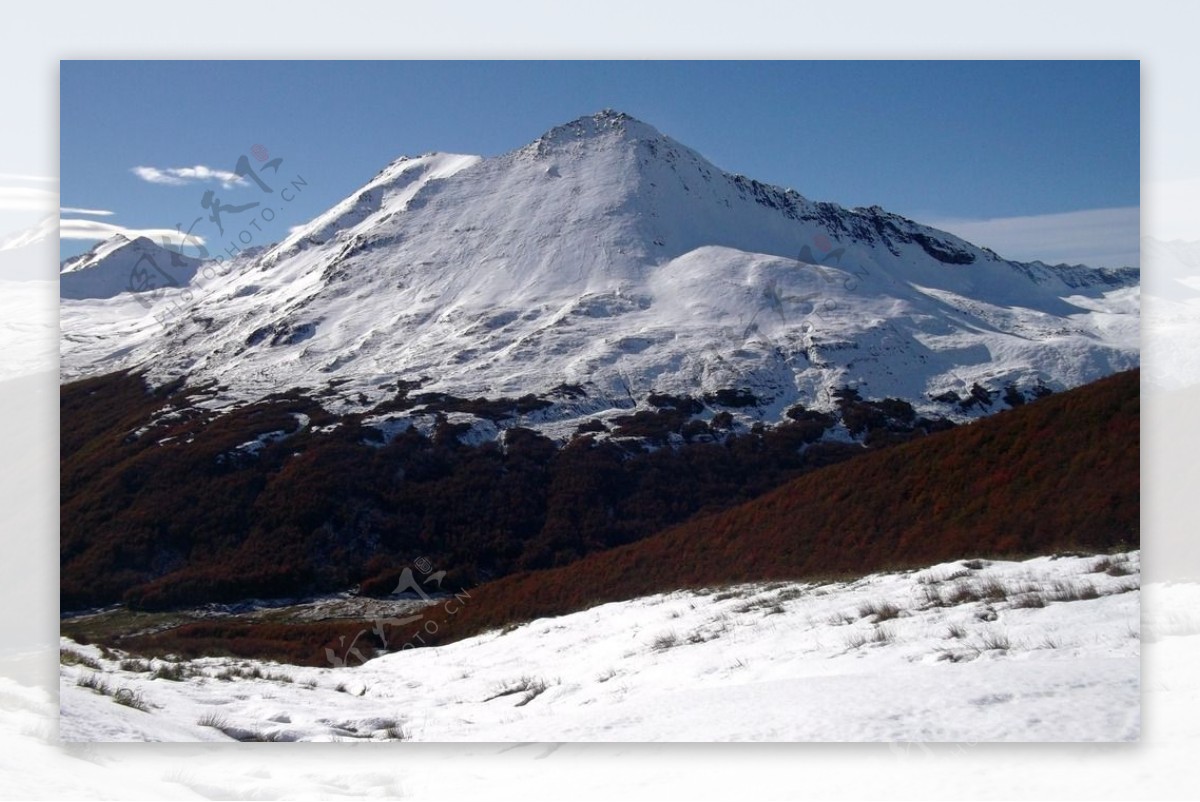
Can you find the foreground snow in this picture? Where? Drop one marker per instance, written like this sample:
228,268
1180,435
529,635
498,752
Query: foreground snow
755,662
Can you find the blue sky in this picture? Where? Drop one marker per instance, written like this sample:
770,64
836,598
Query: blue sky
1035,159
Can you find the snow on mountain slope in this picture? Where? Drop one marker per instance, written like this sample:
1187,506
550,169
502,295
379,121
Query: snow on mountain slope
607,255
121,265
955,652
387,193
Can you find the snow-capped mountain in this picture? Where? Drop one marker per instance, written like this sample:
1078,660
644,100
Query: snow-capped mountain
608,257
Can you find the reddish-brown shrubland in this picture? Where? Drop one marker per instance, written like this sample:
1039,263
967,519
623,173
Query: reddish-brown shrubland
179,516
1059,473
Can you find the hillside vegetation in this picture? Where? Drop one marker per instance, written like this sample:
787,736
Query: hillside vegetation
1058,474
167,504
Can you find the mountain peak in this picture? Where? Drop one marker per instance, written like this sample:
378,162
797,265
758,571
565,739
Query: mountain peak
603,125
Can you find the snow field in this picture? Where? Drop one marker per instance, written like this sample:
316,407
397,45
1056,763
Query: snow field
1043,649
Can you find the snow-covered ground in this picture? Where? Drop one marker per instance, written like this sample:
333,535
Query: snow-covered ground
28,327
1040,650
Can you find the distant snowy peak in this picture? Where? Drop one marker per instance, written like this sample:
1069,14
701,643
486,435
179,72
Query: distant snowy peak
119,265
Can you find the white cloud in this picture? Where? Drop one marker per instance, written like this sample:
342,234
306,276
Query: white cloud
96,230
179,176
93,212
27,199
23,177
1095,237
